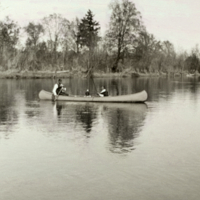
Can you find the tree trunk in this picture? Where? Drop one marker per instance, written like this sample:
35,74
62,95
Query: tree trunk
115,66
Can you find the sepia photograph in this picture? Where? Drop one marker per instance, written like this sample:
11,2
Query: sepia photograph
99,100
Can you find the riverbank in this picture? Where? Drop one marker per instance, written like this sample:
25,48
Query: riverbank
70,74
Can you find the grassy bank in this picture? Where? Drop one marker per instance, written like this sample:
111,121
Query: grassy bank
71,74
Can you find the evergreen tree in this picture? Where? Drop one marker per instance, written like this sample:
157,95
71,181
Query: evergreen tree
88,31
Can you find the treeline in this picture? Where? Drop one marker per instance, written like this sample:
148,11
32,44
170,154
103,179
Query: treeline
56,43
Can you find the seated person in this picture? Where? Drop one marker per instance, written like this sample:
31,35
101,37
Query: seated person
103,93
87,93
58,89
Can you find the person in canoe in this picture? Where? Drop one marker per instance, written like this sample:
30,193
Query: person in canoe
87,93
59,89
103,93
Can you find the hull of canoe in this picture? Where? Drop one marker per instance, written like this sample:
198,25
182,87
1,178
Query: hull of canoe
131,98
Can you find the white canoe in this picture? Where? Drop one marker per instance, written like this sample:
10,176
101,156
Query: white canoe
130,98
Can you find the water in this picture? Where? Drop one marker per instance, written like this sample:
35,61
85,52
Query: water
84,151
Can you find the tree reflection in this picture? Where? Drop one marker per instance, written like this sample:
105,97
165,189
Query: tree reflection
124,124
86,115
116,86
8,118
194,85
8,113
32,109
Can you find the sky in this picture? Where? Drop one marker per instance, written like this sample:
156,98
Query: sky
175,20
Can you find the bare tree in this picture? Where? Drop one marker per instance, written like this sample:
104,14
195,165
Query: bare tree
125,24
34,32
55,28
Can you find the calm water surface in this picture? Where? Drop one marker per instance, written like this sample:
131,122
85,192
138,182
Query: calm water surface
87,151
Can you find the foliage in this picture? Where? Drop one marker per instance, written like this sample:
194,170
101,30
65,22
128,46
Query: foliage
125,24
9,32
59,44
88,31
9,36
55,28
147,51
193,63
71,39
34,32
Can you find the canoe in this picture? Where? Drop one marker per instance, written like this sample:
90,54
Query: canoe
131,98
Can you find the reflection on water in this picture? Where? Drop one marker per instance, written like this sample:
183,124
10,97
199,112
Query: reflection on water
58,108
19,100
49,149
124,123
86,114
8,113
32,109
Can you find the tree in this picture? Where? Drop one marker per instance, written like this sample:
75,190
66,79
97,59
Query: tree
169,55
71,39
34,32
55,27
147,48
87,37
31,58
180,61
88,31
9,36
9,32
193,63
125,24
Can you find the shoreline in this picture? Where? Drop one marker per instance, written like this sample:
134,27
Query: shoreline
68,74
